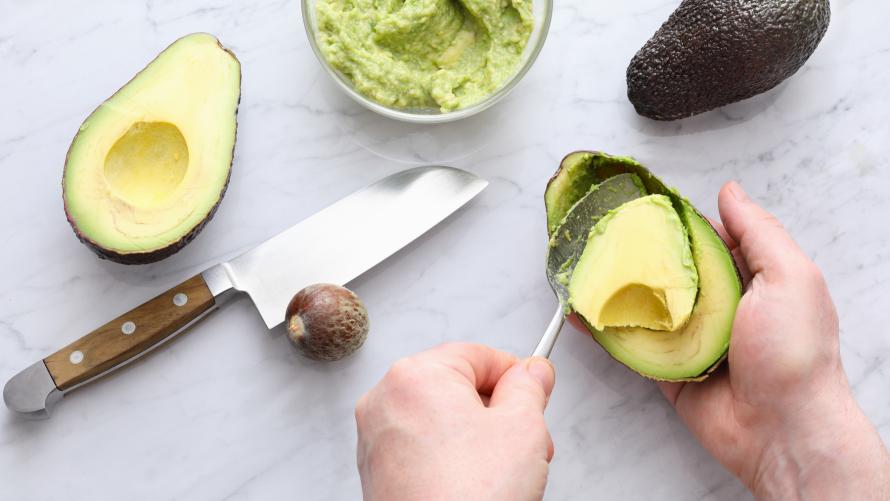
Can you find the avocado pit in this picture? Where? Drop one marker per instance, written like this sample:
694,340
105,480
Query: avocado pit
326,322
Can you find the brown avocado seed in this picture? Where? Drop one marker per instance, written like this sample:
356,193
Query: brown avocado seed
327,322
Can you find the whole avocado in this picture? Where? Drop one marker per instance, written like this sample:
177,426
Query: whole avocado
711,53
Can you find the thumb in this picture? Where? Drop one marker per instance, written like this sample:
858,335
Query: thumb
764,244
526,385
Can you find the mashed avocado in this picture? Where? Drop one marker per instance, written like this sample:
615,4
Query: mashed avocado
445,54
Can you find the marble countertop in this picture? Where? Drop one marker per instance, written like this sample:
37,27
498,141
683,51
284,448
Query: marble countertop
230,412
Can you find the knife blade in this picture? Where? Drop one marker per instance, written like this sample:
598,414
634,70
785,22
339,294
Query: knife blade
335,245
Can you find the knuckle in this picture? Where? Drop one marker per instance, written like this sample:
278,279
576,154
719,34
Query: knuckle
534,393
402,366
361,409
811,273
402,372
450,347
771,221
551,448
537,437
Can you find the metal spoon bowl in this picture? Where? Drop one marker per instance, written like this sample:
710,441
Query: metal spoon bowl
568,241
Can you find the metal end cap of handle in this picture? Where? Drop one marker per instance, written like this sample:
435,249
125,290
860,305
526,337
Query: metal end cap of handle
32,393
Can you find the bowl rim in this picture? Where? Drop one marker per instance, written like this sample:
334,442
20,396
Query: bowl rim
418,117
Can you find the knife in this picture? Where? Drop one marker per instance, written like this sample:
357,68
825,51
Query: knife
334,245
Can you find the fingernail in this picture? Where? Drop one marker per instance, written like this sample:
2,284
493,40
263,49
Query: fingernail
737,192
542,370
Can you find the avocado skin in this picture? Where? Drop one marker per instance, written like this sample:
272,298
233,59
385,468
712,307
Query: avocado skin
711,53
597,167
132,258
147,257
697,379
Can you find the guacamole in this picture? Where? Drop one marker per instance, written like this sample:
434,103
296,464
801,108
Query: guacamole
445,54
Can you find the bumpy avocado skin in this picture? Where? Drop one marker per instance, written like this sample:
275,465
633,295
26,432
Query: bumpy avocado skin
711,53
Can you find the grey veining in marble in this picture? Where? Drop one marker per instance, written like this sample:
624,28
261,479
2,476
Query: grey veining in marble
230,412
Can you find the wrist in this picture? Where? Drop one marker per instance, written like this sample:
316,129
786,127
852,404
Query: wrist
833,454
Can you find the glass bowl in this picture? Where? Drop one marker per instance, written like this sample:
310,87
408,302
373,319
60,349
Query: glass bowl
542,11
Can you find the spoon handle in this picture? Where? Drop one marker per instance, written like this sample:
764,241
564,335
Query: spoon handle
545,346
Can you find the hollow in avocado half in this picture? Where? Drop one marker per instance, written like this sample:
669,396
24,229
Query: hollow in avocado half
148,168
654,284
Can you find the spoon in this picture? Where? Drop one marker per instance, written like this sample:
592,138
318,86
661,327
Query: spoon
568,241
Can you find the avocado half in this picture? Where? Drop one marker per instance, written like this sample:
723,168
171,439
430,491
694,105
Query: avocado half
653,275
711,53
149,167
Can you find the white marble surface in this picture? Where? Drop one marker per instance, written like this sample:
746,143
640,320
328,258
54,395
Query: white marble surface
229,411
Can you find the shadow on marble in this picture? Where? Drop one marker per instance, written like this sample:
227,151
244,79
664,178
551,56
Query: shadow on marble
177,265
682,457
15,424
412,143
721,118
17,428
600,366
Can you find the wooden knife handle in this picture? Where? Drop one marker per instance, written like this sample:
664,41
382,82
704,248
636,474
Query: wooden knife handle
130,334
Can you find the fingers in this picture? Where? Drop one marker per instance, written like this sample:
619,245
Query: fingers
766,248
575,322
527,385
707,409
480,365
671,391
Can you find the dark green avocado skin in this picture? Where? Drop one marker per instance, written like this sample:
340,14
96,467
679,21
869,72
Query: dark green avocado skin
711,53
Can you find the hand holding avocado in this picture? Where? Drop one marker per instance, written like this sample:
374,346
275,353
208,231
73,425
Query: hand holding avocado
781,417
645,274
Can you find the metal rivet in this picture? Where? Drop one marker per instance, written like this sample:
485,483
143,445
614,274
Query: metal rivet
76,357
128,328
180,299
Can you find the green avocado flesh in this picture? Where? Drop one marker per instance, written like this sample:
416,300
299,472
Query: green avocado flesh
425,54
636,269
654,283
565,190
149,166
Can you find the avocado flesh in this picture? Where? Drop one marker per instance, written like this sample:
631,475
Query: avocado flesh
566,190
579,171
692,351
149,166
636,269
565,246
711,53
